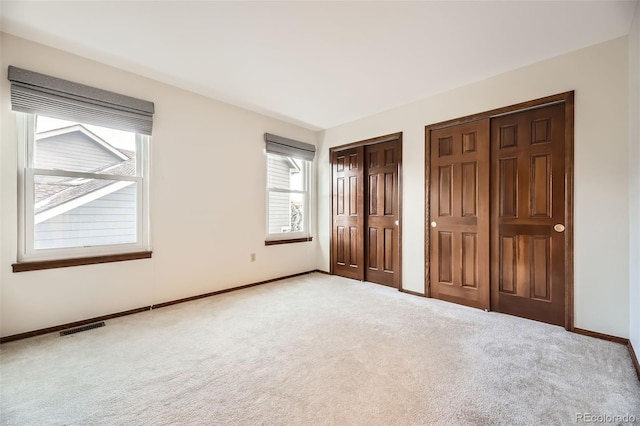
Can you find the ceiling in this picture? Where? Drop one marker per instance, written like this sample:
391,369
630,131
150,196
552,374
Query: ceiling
318,64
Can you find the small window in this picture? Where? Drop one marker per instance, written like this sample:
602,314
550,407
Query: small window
83,189
287,197
289,165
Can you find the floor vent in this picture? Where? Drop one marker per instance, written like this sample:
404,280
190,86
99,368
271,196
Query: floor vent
82,328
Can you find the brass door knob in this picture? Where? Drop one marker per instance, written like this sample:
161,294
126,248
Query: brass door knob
558,227
433,224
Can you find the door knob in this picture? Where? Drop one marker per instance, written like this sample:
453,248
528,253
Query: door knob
397,222
433,224
558,227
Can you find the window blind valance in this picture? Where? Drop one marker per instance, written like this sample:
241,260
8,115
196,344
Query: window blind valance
289,147
36,93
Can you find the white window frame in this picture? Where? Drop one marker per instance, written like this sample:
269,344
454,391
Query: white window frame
307,168
26,129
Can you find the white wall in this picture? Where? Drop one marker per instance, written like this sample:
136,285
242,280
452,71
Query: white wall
598,74
634,182
203,229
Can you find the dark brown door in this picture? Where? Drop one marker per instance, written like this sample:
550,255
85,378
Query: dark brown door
528,213
382,236
348,214
459,214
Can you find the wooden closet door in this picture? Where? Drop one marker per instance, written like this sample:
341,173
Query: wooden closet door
528,212
382,209
348,216
459,214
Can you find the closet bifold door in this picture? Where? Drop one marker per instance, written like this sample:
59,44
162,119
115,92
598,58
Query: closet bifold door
528,236
459,214
382,210
347,241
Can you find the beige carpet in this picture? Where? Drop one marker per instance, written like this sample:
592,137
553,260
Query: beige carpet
316,350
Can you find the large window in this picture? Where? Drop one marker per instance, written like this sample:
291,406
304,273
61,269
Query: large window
82,172
83,189
289,166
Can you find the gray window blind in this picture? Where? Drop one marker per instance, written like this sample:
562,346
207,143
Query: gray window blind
289,147
36,93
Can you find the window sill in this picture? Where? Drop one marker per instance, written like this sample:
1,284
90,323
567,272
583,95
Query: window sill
293,240
64,263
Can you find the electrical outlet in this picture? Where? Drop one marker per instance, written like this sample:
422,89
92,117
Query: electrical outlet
253,257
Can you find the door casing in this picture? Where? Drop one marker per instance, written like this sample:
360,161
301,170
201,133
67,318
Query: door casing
567,98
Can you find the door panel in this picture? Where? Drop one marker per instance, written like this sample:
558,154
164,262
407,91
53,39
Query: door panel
382,239
459,214
348,218
528,199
